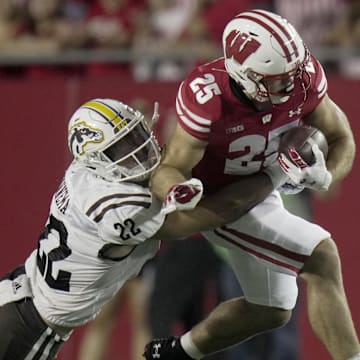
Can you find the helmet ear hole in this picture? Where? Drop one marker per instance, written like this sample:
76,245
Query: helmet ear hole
113,140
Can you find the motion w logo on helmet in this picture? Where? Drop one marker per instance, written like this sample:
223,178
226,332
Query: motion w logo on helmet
240,46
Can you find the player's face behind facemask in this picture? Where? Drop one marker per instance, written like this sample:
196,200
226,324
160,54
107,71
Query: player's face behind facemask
279,87
113,140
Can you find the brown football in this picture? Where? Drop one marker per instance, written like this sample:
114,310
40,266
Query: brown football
301,139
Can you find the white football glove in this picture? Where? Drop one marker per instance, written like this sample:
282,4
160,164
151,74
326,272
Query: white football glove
316,176
281,180
276,174
183,196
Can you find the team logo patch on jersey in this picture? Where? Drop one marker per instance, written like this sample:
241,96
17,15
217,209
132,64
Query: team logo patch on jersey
15,286
83,134
266,118
235,129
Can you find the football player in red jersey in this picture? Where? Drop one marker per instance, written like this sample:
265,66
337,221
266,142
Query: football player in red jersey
231,113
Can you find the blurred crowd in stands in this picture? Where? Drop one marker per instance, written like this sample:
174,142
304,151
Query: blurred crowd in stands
154,39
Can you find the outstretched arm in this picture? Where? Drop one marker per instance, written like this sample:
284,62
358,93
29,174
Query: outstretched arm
180,156
227,205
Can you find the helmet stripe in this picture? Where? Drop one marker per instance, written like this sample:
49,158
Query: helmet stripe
110,115
271,31
252,16
281,27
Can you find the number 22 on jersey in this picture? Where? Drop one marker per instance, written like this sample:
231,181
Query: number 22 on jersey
55,229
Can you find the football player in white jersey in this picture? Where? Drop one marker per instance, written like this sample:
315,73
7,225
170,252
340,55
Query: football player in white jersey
103,225
231,114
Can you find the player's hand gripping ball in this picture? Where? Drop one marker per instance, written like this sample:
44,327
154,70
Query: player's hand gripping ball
302,156
301,139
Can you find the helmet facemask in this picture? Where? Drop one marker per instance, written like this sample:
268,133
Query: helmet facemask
133,156
274,88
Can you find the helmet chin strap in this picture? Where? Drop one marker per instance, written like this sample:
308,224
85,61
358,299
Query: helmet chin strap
241,93
265,105
131,174
278,100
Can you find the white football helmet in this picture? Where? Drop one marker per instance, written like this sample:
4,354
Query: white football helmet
264,54
113,140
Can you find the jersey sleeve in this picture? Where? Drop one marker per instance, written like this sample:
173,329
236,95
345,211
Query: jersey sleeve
317,84
198,104
320,81
124,217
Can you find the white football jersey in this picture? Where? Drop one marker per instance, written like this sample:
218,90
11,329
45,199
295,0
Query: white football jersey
96,238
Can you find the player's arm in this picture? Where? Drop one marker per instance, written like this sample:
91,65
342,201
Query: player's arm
227,205
333,122
181,155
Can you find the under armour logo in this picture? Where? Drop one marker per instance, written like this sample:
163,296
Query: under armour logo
295,112
156,354
15,286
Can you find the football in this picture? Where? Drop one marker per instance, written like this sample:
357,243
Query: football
301,139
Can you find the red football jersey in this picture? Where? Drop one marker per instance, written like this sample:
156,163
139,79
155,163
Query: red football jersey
241,140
